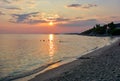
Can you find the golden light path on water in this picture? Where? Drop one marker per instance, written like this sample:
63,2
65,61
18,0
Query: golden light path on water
52,51
51,47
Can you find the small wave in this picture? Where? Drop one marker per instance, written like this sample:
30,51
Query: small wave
28,73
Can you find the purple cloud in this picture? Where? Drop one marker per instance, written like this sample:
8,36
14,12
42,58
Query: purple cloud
89,6
36,21
74,5
26,18
81,6
80,23
13,8
61,19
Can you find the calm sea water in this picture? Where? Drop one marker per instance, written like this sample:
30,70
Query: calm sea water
23,53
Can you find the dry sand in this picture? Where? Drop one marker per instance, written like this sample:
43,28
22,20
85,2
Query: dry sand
100,65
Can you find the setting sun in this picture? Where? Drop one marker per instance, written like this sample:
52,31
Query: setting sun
51,23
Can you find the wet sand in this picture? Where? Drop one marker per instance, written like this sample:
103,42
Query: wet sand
100,65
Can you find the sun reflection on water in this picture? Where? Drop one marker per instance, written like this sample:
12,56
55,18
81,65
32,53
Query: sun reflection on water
51,47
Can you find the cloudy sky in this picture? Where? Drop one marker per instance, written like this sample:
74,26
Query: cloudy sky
56,16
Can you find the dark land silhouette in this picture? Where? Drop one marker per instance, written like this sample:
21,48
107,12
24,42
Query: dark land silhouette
105,30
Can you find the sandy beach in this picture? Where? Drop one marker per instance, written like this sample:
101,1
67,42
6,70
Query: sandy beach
100,65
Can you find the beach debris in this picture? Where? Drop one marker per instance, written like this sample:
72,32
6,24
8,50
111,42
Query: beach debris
84,58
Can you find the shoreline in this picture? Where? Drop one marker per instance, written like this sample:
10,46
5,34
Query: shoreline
66,69
57,64
60,63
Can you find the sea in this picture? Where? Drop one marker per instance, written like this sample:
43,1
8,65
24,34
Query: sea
22,55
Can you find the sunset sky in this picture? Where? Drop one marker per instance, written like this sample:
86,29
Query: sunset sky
56,16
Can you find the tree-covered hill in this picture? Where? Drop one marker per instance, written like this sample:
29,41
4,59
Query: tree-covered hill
107,29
